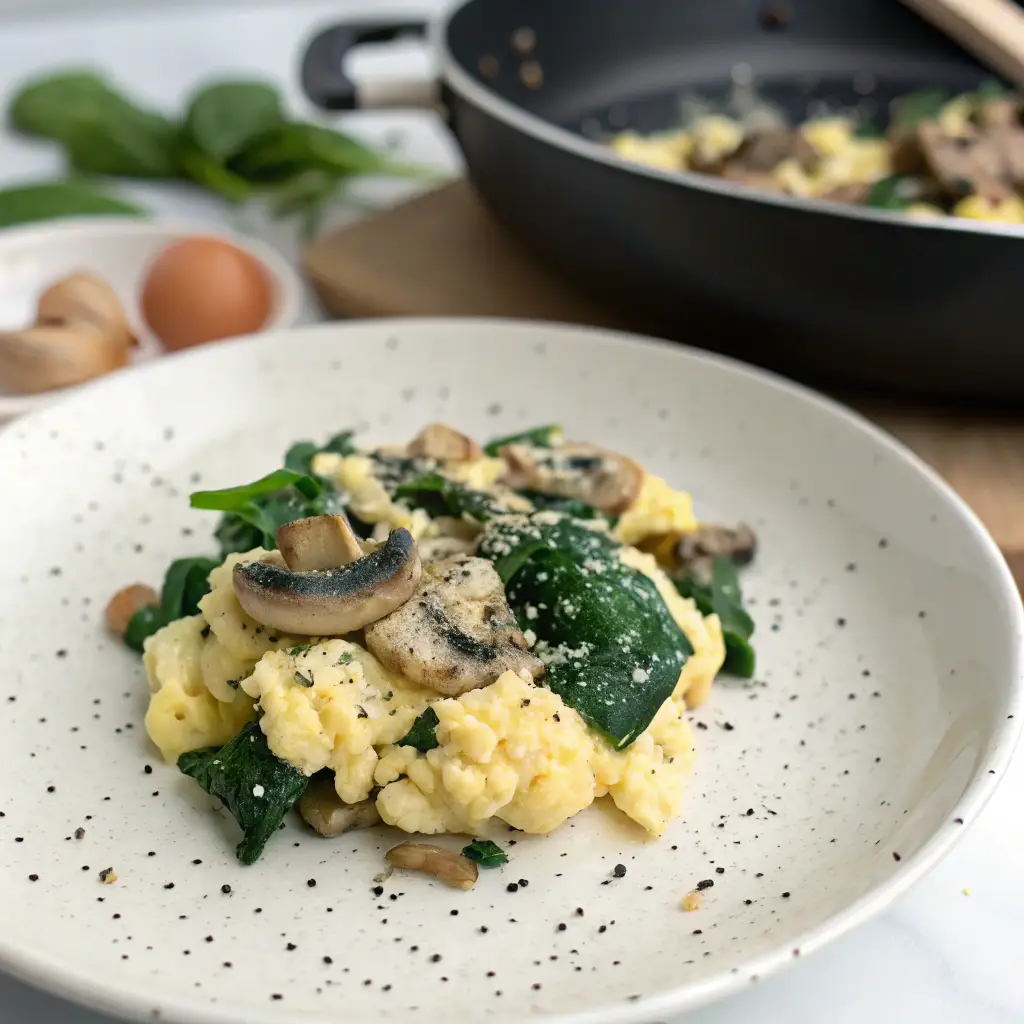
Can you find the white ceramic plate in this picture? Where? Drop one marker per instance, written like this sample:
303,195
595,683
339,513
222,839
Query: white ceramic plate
119,249
889,639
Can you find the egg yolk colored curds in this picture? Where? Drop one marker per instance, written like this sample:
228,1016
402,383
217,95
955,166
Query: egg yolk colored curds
204,289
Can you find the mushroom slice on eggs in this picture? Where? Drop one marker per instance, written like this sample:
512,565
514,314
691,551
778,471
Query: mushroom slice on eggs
457,633
328,601
605,480
320,542
441,442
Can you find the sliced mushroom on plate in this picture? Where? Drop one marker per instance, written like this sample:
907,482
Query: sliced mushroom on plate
320,542
329,601
441,442
325,811
697,550
445,865
457,633
605,480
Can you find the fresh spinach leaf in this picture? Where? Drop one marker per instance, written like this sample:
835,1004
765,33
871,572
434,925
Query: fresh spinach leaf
537,437
51,106
910,110
132,144
223,117
25,204
299,457
256,787
285,151
422,734
611,647
485,853
440,496
723,597
205,171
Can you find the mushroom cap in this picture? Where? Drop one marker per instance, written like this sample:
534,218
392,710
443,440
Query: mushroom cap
331,602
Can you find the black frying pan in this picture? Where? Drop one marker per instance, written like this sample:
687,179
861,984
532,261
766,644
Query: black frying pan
808,287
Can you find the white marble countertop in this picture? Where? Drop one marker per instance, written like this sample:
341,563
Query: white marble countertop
938,956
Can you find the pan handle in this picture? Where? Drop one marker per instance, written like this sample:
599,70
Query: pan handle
326,83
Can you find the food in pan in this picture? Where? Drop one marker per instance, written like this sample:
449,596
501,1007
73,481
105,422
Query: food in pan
438,636
939,155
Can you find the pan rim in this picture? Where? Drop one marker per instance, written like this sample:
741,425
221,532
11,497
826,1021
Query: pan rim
458,78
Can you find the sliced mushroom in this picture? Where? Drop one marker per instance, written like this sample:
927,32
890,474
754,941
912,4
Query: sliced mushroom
441,442
331,602
457,633
320,542
445,865
606,480
322,808
697,550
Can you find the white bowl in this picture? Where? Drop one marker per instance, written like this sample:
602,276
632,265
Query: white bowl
118,249
885,711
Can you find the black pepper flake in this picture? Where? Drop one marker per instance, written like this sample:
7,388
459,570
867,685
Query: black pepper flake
148,769
197,861
79,833
706,883
750,811
728,726
579,911
51,789
291,947
168,885
896,857
277,996
719,871
603,929
311,882
747,903
619,871
523,883
227,963
562,926
378,890
33,878
435,958
698,931
328,960
209,938
701,725
536,986
512,887
785,895
958,821
226,889
454,913
483,929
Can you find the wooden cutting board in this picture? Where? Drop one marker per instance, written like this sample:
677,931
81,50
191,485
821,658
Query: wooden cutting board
442,254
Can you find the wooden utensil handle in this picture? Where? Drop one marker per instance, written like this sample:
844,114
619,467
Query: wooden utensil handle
992,30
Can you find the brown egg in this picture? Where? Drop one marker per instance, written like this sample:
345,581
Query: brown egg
204,289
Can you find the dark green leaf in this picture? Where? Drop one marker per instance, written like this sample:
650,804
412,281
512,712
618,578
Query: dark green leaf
206,172
237,535
910,110
537,437
613,650
185,584
341,444
49,107
422,735
131,144
440,496
256,787
299,457
868,130
896,192
224,117
289,150
232,499
740,660
144,623
485,853
555,503
27,203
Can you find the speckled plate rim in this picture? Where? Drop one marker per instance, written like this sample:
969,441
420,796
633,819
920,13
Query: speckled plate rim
286,281
136,1003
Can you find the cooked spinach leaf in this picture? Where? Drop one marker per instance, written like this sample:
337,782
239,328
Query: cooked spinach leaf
299,457
422,735
442,497
556,503
485,853
723,597
611,647
896,192
185,584
537,437
257,787
255,511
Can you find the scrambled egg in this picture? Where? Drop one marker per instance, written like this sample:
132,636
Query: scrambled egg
657,511
512,750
